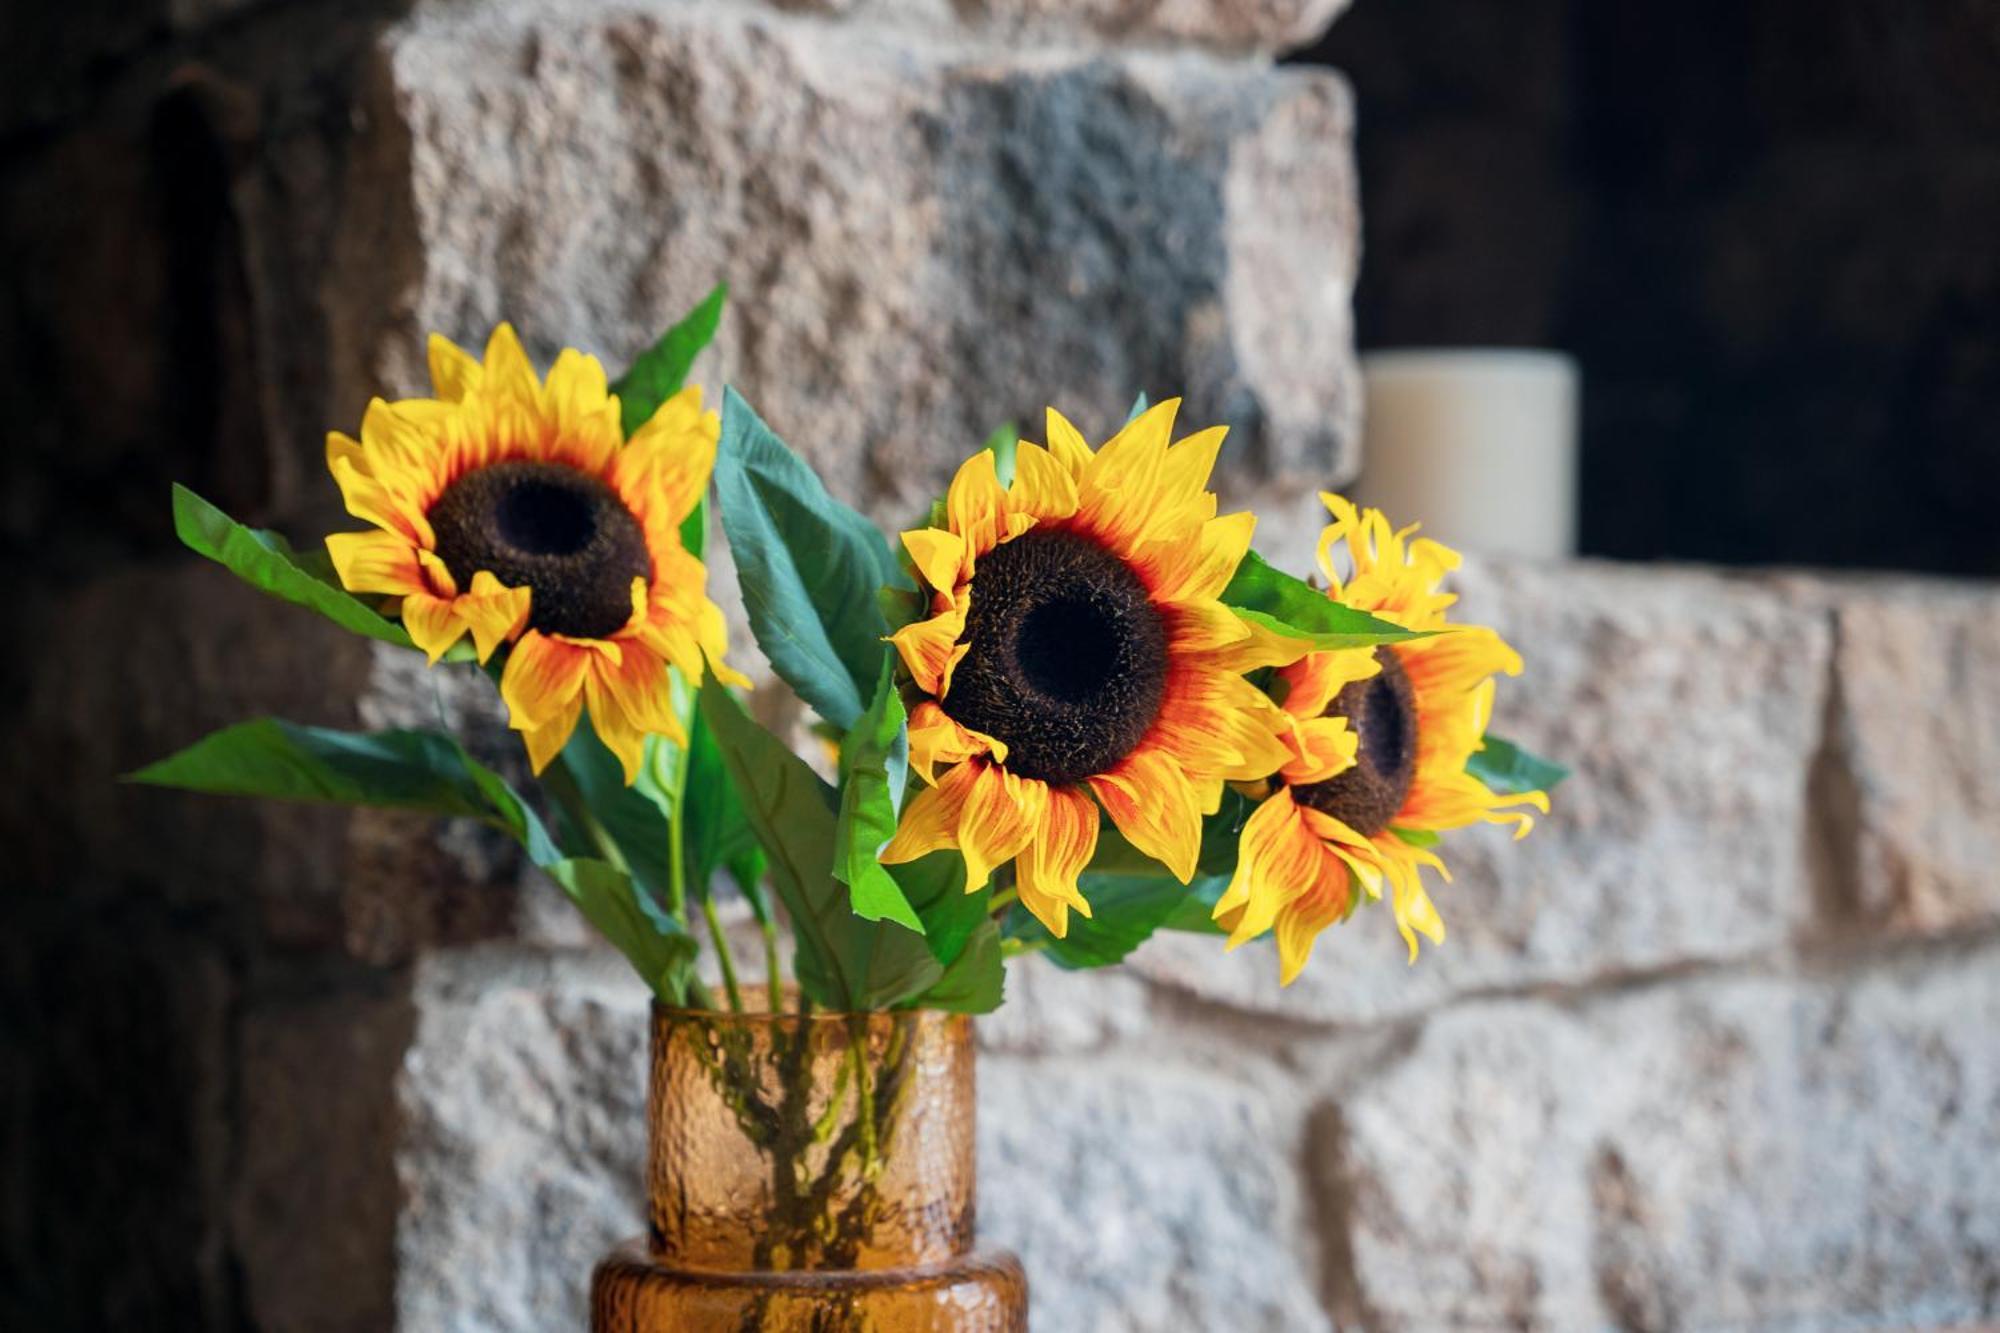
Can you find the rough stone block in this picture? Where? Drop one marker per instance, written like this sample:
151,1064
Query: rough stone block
1689,706
1914,777
923,239
1725,1152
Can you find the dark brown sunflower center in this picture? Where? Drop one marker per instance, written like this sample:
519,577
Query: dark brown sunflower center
557,531
1383,712
1066,659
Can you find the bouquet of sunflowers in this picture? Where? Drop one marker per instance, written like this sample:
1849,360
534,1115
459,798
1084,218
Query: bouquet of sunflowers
1069,709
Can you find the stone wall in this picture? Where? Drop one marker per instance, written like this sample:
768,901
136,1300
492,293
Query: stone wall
1713,1047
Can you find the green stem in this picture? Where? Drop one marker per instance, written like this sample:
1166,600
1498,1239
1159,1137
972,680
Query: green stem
722,954
776,995
1002,900
560,783
677,846
1015,948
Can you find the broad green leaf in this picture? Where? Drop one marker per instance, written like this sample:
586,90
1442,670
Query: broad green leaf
1511,770
662,369
265,560
975,981
934,885
715,833
694,529
636,818
843,962
608,900
1003,444
1124,911
428,772
874,764
809,568
1195,912
1277,601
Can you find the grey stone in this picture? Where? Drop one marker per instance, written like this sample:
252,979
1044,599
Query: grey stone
923,239
1237,25
1143,1196
1689,706
1732,1152
1915,744
1048,1009
523,1104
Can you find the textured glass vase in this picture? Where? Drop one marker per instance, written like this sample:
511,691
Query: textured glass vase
809,1173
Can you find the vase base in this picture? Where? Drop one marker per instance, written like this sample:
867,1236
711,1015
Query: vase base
982,1292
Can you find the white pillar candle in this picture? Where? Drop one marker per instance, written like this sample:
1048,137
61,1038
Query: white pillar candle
1478,445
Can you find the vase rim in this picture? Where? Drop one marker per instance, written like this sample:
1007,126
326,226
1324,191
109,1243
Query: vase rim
762,1012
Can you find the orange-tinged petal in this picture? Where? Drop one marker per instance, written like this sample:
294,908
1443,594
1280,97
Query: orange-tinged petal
1002,812
1047,871
582,417
454,372
666,464
1301,921
375,561
437,574
1184,476
938,555
1277,859
543,676
1200,627
372,502
1312,682
1323,747
935,739
930,648
930,821
433,623
546,741
493,612
1154,805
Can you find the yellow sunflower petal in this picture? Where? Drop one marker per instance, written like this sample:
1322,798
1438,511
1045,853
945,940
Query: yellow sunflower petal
372,502
1277,859
493,612
546,741
1002,812
454,372
930,648
433,623
543,676
666,464
582,415
375,561
1066,444
507,372
1301,920
936,739
976,506
1323,747
1047,871
938,555
930,821
1042,488
1150,799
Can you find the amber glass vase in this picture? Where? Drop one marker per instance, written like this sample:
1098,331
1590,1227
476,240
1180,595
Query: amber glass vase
809,1172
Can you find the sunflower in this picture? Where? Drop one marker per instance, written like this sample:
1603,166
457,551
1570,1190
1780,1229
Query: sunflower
1378,748
515,511
1076,649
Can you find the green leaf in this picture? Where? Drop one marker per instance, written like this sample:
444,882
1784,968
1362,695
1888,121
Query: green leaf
1511,770
1139,406
635,818
1416,837
694,529
1274,599
715,833
662,368
1124,911
874,764
843,962
934,886
1002,444
607,898
428,772
1195,912
976,981
808,565
265,560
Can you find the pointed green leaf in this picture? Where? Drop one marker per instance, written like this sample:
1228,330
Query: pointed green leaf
843,962
662,369
1510,770
976,980
428,772
809,568
1124,911
1275,600
265,560
874,764
1139,406
1003,444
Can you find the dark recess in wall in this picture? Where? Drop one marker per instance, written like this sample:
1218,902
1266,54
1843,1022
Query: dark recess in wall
1769,230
